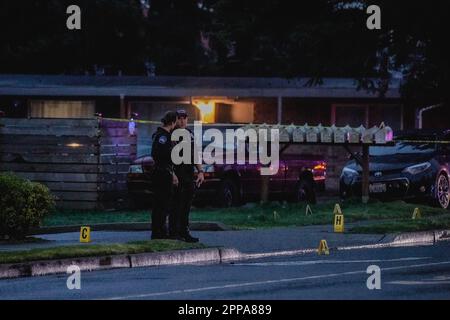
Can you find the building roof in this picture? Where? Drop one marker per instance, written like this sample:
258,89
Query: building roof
137,86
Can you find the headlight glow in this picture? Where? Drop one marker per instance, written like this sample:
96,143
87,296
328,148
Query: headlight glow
418,168
349,172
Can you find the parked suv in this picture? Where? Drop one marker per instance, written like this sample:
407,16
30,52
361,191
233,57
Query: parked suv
415,167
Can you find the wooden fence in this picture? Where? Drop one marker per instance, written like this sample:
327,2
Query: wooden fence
83,162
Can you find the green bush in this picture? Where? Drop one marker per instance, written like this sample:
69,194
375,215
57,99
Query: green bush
23,205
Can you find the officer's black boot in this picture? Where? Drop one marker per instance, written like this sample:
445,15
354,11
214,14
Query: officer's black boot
190,239
186,196
185,230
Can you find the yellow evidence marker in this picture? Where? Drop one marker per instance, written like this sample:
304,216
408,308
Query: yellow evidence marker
85,234
416,214
337,209
323,248
339,223
308,210
276,216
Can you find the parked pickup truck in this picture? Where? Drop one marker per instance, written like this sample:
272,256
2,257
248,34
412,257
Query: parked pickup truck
298,178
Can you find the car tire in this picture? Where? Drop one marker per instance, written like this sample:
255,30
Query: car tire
304,192
443,191
344,191
228,194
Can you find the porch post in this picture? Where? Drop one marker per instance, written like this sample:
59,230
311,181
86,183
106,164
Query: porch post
280,109
365,174
123,107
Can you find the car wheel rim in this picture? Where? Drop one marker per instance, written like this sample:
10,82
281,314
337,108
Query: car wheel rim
443,191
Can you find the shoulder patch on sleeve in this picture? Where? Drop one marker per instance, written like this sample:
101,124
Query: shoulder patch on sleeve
162,139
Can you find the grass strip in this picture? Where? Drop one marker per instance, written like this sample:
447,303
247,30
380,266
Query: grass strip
395,226
260,216
89,250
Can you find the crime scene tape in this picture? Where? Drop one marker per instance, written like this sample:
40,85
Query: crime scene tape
423,141
130,120
159,122
244,124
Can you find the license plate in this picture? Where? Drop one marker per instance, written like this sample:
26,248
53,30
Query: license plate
377,188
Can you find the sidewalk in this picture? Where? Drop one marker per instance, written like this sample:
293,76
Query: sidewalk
246,241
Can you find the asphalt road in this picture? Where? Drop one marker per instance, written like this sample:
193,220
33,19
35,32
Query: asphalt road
406,273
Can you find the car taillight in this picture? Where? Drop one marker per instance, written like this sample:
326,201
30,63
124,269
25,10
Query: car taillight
320,167
208,175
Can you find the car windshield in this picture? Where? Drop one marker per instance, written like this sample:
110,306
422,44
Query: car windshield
403,148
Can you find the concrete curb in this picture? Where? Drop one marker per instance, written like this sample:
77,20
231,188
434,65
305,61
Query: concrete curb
230,254
442,235
175,258
405,239
421,237
180,257
414,237
135,226
389,240
40,268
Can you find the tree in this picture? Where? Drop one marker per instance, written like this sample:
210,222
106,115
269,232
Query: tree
173,40
414,42
282,38
329,38
35,38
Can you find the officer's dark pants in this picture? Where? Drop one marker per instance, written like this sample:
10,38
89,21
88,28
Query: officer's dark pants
163,189
179,216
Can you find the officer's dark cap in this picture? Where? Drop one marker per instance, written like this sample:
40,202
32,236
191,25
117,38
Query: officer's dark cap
169,117
182,113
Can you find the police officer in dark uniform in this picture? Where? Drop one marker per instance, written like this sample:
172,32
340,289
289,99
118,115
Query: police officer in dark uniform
184,192
164,178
